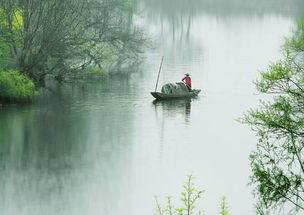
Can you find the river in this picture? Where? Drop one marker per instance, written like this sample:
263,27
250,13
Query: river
108,148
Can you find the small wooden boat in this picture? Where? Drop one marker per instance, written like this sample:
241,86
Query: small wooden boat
159,95
177,91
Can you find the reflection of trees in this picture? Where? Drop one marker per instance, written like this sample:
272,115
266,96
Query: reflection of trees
177,15
49,147
40,139
59,129
39,150
177,23
175,20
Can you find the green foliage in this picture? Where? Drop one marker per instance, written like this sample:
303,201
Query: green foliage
15,15
15,87
224,206
278,161
11,24
296,42
4,54
189,197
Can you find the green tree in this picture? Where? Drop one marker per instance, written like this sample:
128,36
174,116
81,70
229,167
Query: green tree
11,23
278,161
61,38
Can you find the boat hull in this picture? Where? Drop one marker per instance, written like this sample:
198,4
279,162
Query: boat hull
159,95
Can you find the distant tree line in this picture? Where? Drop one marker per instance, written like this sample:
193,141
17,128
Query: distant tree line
60,38
223,9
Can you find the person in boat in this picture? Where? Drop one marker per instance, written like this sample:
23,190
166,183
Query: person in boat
187,81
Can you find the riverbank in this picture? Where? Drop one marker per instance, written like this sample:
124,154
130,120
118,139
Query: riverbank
16,88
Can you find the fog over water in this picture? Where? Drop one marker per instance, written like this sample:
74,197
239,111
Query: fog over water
108,148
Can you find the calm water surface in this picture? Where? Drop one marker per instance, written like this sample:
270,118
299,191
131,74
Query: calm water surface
108,149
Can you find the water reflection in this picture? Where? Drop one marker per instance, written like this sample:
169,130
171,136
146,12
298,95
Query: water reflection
81,150
181,26
47,149
174,107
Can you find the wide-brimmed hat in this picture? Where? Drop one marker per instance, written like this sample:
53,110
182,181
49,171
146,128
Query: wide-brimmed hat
187,74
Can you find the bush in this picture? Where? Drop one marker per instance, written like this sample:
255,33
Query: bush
15,87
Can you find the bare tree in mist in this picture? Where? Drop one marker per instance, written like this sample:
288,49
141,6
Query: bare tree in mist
61,37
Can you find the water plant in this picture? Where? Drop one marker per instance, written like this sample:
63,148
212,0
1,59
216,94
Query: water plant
189,198
224,206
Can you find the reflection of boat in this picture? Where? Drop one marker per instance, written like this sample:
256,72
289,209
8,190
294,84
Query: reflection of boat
159,95
172,103
174,107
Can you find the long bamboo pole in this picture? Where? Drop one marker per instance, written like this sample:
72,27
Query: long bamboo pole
161,63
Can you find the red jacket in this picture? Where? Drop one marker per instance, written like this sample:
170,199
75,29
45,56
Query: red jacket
188,80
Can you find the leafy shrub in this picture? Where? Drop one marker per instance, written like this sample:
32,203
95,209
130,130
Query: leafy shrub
15,86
